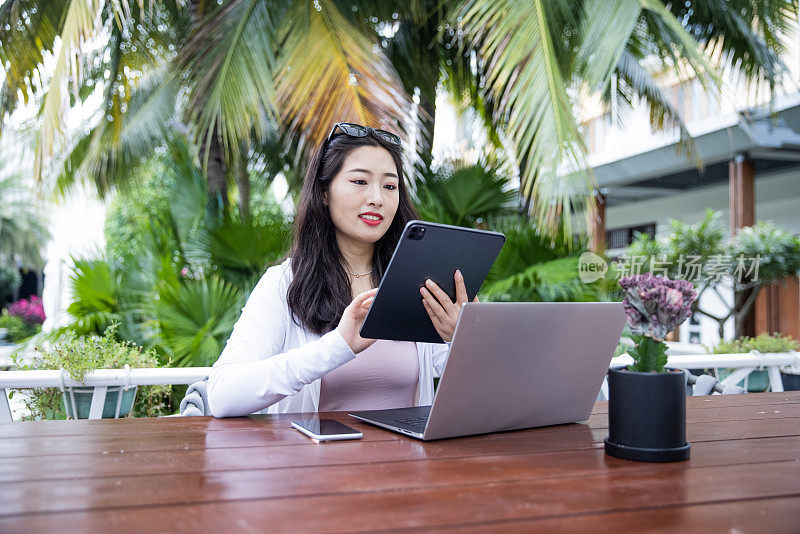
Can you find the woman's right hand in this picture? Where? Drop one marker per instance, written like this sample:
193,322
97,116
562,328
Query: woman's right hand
350,323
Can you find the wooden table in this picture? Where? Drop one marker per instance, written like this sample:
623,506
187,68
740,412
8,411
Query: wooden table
201,474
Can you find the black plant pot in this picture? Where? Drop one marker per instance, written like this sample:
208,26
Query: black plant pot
791,381
647,416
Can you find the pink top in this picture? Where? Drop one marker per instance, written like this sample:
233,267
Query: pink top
385,375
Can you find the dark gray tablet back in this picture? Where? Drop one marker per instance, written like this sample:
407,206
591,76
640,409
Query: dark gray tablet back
397,312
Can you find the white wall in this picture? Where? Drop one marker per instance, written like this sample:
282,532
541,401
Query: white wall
777,200
76,225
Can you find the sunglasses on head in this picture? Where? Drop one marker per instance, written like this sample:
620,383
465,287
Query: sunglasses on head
357,130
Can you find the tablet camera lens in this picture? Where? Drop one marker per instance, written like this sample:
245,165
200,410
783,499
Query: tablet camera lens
416,233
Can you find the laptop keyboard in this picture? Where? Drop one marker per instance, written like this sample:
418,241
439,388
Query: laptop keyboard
413,419
412,422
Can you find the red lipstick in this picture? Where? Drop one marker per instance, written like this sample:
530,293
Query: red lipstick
371,222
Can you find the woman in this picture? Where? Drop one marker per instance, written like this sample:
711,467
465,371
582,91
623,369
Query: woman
296,346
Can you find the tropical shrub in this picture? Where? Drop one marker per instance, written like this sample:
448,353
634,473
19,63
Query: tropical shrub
195,319
531,266
776,251
23,319
79,355
240,251
176,273
535,268
131,211
95,287
463,195
18,329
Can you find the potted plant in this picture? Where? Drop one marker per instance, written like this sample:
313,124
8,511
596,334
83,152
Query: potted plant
80,355
647,402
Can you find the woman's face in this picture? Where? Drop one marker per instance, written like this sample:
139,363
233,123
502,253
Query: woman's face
364,195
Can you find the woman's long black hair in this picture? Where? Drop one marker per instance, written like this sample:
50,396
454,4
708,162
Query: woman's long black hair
320,290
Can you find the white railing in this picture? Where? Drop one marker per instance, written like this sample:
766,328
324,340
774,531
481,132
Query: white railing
100,380
743,365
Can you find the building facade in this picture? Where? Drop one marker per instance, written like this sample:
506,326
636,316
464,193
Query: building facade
747,141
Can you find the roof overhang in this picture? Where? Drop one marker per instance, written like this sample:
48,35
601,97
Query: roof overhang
770,138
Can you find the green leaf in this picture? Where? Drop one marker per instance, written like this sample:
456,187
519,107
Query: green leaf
196,318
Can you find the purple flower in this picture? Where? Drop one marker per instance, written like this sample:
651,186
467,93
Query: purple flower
31,311
656,305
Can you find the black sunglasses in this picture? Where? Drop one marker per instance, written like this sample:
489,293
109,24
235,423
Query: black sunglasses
356,130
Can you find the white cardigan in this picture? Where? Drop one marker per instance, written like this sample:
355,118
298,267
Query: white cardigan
272,365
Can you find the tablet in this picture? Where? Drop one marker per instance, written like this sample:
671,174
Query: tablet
427,250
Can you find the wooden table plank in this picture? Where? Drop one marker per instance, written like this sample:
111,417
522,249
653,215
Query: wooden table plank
415,508
121,459
269,436
248,483
773,515
123,426
294,449
715,402
306,452
725,413
736,405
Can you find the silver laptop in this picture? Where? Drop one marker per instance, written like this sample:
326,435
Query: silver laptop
515,365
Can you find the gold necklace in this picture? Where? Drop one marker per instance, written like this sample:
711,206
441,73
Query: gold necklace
359,275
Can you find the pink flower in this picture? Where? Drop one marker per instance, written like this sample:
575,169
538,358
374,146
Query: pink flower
656,305
31,311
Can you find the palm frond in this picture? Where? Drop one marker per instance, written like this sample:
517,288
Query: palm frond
525,78
464,196
28,30
745,36
611,24
110,153
79,25
466,83
95,291
331,72
196,318
23,230
676,43
663,114
229,61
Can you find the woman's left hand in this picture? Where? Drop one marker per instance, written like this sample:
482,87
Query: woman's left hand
442,311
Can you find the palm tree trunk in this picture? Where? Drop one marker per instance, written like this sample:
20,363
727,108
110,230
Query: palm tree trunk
417,63
215,173
427,121
243,183
211,152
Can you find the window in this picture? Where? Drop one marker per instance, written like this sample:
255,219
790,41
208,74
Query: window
623,237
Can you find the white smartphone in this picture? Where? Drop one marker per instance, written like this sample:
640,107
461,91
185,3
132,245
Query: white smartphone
326,430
